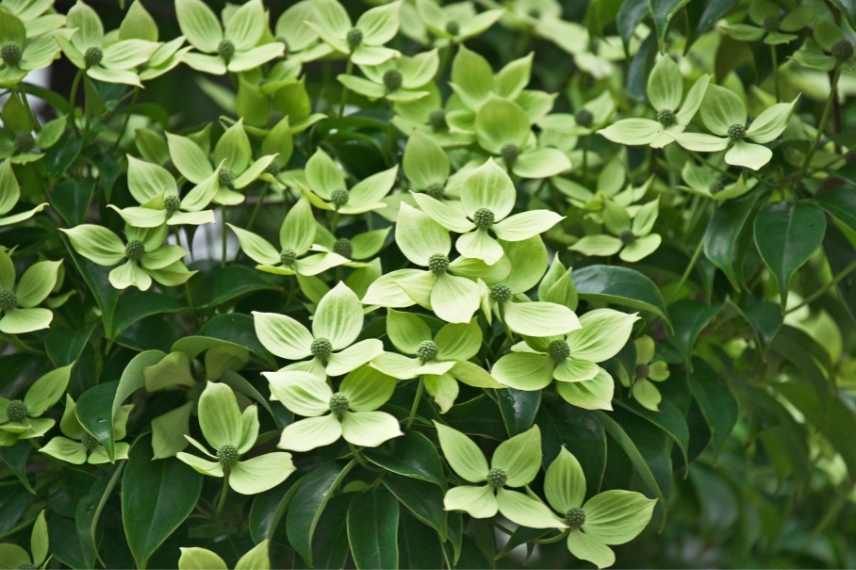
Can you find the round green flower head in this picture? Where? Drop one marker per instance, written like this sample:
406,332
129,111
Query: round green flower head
438,264
11,54
16,411
93,56
427,350
135,250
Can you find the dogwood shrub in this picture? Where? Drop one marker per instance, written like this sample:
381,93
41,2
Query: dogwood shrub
427,285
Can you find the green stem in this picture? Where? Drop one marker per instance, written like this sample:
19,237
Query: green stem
822,291
223,237
343,98
221,498
358,456
775,57
126,121
821,127
414,407
257,207
20,344
550,540
34,123
692,263
72,97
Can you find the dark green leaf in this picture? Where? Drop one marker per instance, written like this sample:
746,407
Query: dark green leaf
621,286
213,288
71,199
134,305
713,12
423,500
632,12
95,413
786,235
308,503
716,402
157,496
413,455
722,236
64,345
418,545
15,457
518,409
840,202
268,509
689,318
373,529
841,255
643,470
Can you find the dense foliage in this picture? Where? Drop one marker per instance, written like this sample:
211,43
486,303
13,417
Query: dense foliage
421,285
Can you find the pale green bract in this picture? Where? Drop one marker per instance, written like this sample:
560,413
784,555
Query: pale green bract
349,413
337,323
231,433
572,360
609,518
514,464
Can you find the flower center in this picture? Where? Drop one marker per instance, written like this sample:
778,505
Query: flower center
392,79
427,350
509,153
584,118
483,218
718,186
228,456
666,117
642,371
843,50
226,49
438,264
436,191
171,204
225,177
134,250
8,300
288,257
11,54
771,24
339,197
500,293
354,38
534,13
321,348
16,411
558,350
343,247
89,442
627,237
736,132
575,518
338,405
496,478
93,56
453,28
24,142
437,119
